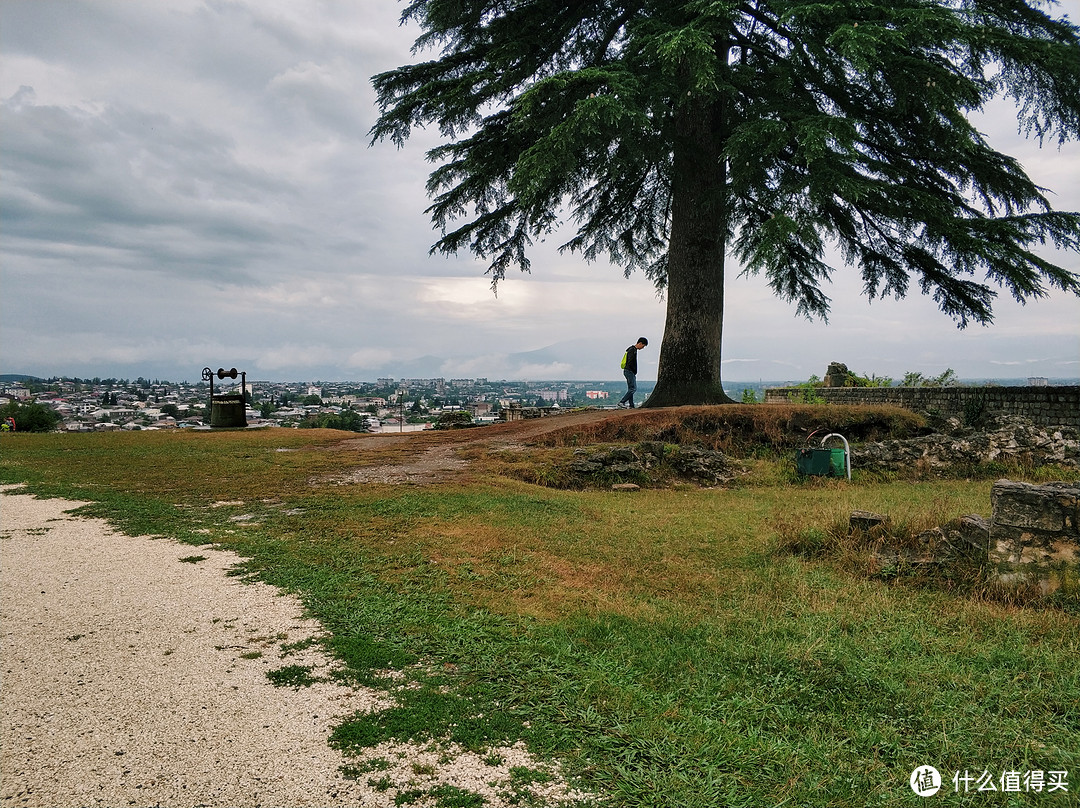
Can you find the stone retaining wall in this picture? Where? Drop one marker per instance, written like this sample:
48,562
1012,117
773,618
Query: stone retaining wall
1046,406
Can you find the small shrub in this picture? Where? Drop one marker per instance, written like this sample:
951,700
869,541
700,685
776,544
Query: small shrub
454,420
974,411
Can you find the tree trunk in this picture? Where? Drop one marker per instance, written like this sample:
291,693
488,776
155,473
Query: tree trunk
689,364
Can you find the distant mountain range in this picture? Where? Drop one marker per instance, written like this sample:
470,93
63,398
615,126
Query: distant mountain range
9,378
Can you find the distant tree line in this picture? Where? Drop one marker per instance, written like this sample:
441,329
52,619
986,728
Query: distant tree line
348,420
30,417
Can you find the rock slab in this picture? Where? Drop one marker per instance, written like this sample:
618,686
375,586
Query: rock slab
1035,534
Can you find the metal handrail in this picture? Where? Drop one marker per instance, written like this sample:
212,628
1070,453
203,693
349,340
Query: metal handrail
847,450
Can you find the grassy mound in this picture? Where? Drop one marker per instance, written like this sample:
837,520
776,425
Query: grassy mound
745,429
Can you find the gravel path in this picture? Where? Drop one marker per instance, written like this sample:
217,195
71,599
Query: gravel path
132,678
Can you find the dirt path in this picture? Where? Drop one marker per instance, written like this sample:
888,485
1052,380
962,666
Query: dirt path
132,678
510,431
440,461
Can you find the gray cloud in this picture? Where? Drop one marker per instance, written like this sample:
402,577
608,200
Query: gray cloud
189,182
162,194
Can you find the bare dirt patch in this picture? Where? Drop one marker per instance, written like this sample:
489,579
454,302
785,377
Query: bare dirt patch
432,466
430,457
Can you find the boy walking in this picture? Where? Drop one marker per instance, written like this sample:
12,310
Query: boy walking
630,372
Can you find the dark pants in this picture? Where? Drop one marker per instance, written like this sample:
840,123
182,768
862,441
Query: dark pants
631,388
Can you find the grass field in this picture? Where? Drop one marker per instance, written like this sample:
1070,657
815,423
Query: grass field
664,644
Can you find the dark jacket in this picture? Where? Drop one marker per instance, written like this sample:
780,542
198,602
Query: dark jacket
631,359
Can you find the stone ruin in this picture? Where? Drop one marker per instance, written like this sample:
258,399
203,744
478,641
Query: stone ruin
1031,540
705,466
836,375
516,412
1035,535
1005,438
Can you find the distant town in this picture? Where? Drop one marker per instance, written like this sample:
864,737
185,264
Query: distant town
385,405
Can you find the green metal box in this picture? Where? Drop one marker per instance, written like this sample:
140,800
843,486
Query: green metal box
821,462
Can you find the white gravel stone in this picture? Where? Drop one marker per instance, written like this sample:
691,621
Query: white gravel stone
128,677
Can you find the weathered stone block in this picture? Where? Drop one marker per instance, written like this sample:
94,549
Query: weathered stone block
1050,508
1035,533
623,454
970,536
865,521
836,375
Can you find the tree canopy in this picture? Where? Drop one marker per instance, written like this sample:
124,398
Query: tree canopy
674,133
31,417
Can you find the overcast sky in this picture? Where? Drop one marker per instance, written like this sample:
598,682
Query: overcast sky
188,183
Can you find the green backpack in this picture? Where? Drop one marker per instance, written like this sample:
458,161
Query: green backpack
623,363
